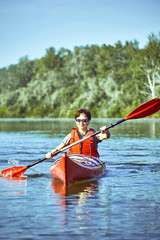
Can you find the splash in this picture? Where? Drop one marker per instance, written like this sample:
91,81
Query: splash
13,162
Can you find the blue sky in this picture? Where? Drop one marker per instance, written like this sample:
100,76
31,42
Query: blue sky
30,27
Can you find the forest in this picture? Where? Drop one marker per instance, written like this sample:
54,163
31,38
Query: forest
108,80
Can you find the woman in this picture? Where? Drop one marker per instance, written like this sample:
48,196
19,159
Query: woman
87,147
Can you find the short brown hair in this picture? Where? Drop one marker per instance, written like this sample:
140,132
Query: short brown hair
83,110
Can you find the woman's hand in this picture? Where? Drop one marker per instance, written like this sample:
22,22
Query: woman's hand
104,133
49,154
104,129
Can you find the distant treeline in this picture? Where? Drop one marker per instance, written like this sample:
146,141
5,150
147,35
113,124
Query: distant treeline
108,80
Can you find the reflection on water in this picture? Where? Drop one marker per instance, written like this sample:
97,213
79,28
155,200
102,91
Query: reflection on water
16,185
74,196
81,189
153,129
124,204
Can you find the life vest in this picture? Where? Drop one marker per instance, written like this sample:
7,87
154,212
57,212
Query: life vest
86,147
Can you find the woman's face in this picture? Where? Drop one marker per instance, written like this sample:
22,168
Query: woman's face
82,122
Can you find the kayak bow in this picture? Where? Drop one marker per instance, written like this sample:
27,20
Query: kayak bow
75,167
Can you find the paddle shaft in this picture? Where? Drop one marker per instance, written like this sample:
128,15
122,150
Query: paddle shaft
73,144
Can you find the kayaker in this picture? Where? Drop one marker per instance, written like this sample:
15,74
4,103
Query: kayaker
87,147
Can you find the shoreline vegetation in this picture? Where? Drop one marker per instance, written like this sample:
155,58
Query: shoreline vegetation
108,80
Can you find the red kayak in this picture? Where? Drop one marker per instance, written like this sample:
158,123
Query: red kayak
75,167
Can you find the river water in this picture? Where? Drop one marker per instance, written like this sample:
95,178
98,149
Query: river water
124,204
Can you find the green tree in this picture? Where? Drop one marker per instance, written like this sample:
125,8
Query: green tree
50,60
108,80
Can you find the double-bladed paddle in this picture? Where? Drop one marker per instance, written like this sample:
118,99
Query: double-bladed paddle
142,111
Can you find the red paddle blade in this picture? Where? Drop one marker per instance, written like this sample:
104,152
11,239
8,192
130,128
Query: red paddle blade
13,172
145,109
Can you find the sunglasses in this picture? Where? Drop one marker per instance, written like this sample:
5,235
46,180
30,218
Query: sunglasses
82,120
